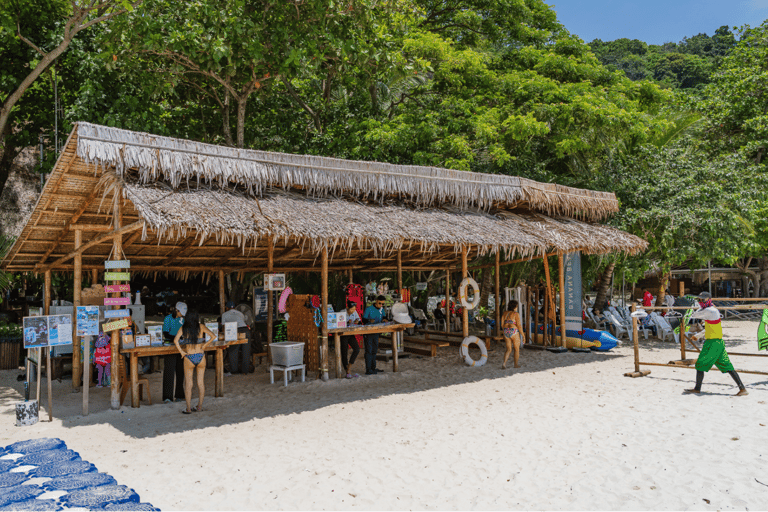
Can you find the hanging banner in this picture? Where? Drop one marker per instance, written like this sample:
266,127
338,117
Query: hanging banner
573,318
260,305
113,326
117,313
117,264
117,288
117,276
117,301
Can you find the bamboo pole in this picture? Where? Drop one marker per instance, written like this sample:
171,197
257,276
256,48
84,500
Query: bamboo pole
47,308
222,293
86,375
528,297
117,250
78,285
497,294
94,275
536,317
464,312
324,329
636,337
270,269
448,301
546,337
350,275
561,279
400,270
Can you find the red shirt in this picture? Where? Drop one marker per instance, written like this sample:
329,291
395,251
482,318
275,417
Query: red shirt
647,299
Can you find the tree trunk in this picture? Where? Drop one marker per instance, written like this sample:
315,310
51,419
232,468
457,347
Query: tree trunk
663,283
9,155
241,103
604,285
485,286
225,121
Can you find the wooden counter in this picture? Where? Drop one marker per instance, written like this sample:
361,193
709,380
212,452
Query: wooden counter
395,328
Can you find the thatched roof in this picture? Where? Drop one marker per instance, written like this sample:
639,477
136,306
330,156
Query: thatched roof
201,212
177,161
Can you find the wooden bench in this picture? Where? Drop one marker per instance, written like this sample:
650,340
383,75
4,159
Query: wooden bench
460,338
433,346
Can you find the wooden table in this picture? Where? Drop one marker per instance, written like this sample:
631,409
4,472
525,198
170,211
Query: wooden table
136,353
396,329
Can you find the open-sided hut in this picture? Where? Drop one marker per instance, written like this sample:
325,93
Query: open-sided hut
184,207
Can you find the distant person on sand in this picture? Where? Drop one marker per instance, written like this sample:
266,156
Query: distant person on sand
713,351
513,333
647,299
374,314
193,355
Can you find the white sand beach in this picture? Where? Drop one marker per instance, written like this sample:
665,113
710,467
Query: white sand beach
564,431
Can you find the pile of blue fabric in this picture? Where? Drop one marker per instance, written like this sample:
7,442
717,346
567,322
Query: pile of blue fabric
42,474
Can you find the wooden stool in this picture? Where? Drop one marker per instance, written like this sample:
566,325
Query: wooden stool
286,370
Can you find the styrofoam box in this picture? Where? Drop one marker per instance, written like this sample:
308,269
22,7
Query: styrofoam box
287,353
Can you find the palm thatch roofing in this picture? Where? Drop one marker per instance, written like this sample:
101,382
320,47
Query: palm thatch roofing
193,207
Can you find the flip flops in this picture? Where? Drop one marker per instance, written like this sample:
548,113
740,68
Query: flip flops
186,412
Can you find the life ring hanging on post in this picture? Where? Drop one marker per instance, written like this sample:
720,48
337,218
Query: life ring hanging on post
464,351
468,281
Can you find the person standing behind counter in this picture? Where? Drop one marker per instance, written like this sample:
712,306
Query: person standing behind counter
172,365
243,351
374,314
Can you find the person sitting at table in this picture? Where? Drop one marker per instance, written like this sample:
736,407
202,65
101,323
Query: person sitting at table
374,314
352,319
193,354
242,351
172,366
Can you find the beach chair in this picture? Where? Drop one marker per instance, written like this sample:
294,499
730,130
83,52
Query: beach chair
616,326
663,329
599,325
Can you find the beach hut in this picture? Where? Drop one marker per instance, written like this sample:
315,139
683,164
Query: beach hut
184,207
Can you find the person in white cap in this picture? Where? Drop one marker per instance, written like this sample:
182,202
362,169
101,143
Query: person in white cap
172,365
713,350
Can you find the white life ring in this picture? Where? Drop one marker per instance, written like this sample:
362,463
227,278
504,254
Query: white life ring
468,281
464,351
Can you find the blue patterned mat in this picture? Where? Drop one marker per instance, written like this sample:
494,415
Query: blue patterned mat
42,474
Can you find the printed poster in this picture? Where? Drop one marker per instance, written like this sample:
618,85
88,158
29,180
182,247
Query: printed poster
35,331
155,333
87,320
214,328
59,330
230,331
143,340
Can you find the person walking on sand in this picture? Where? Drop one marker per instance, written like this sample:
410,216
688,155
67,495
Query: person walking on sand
713,351
513,333
193,354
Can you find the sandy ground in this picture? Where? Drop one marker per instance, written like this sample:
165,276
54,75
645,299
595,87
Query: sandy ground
564,431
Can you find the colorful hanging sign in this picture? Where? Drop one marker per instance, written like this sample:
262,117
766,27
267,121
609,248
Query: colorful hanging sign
117,276
117,313
117,288
119,324
117,301
117,264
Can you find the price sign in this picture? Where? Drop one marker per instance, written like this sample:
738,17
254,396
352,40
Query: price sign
117,301
117,313
117,276
117,288
117,264
119,324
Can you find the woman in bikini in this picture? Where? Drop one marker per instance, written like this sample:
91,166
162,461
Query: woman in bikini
513,333
193,354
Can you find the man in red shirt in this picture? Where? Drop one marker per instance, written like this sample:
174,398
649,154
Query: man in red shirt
647,299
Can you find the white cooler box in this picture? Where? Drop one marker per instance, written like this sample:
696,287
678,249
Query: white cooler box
287,353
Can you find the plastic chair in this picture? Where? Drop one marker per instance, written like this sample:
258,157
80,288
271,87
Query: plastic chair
618,328
663,328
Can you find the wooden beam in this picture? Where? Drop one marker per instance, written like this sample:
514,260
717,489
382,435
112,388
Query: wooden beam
96,241
497,294
175,254
131,240
78,285
324,301
510,262
71,221
90,227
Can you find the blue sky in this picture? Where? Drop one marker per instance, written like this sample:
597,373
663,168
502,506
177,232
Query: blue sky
655,21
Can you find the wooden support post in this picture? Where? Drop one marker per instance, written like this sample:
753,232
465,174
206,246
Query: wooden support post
351,275
47,310
94,276
497,294
549,304
448,301
635,337
39,374
546,319
561,279
535,338
78,285
464,312
682,337
324,328
681,285
528,319
337,350
117,252
222,293
270,267
400,271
